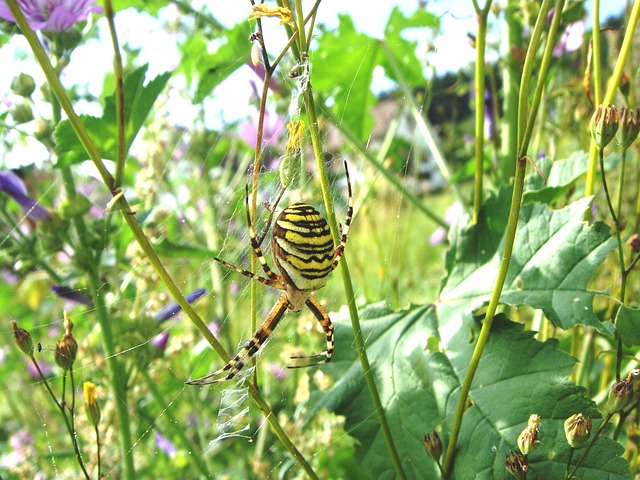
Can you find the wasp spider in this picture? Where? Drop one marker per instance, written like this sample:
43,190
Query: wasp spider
305,254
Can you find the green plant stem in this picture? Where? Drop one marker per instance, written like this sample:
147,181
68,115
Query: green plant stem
586,451
423,125
68,424
378,165
571,452
121,145
98,449
117,382
526,116
623,285
481,45
173,423
122,205
612,85
348,286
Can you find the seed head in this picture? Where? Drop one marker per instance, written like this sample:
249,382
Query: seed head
67,347
433,445
620,395
517,465
529,436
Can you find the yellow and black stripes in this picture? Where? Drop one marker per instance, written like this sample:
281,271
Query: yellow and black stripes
302,247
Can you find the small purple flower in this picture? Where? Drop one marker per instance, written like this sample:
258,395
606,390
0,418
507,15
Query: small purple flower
52,15
173,308
13,186
45,368
160,341
166,445
72,295
489,117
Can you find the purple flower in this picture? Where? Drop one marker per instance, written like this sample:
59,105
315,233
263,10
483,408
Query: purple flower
571,39
52,15
166,445
11,184
273,127
160,341
72,295
173,308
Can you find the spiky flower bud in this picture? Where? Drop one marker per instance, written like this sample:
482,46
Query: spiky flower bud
22,338
517,465
529,436
604,125
91,407
620,395
67,347
577,429
629,126
433,445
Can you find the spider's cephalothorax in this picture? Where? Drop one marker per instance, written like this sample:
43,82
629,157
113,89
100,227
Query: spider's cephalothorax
304,251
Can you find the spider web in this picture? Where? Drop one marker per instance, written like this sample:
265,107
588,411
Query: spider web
192,210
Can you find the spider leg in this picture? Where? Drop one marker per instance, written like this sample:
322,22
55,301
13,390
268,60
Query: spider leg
255,244
271,282
252,346
272,210
344,231
323,317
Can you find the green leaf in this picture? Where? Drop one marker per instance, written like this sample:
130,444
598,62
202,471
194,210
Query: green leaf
343,65
233,52
402,50
561,176
555,256
138,99
628,324
419,387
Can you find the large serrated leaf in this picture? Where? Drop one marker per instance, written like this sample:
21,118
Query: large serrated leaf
555,255
419,389
138,101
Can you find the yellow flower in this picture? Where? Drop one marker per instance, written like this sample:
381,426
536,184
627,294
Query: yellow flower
263,10
91,407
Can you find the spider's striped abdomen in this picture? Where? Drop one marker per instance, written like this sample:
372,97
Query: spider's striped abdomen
302,247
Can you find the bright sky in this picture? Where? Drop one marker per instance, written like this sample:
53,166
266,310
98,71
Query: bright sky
92,61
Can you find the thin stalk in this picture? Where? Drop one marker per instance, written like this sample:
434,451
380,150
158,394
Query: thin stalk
481,45
70,427
377,163
586,451
173,423
123,206
422,125
616,225
524,135
348,286
121,145
612,85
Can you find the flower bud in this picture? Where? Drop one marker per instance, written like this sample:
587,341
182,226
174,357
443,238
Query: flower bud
624,85
620,395
433,445
91,407
629,126
23,85
516,464
577,429
634,379
634,242
67,348
22,338
22,113
604,125
529,436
